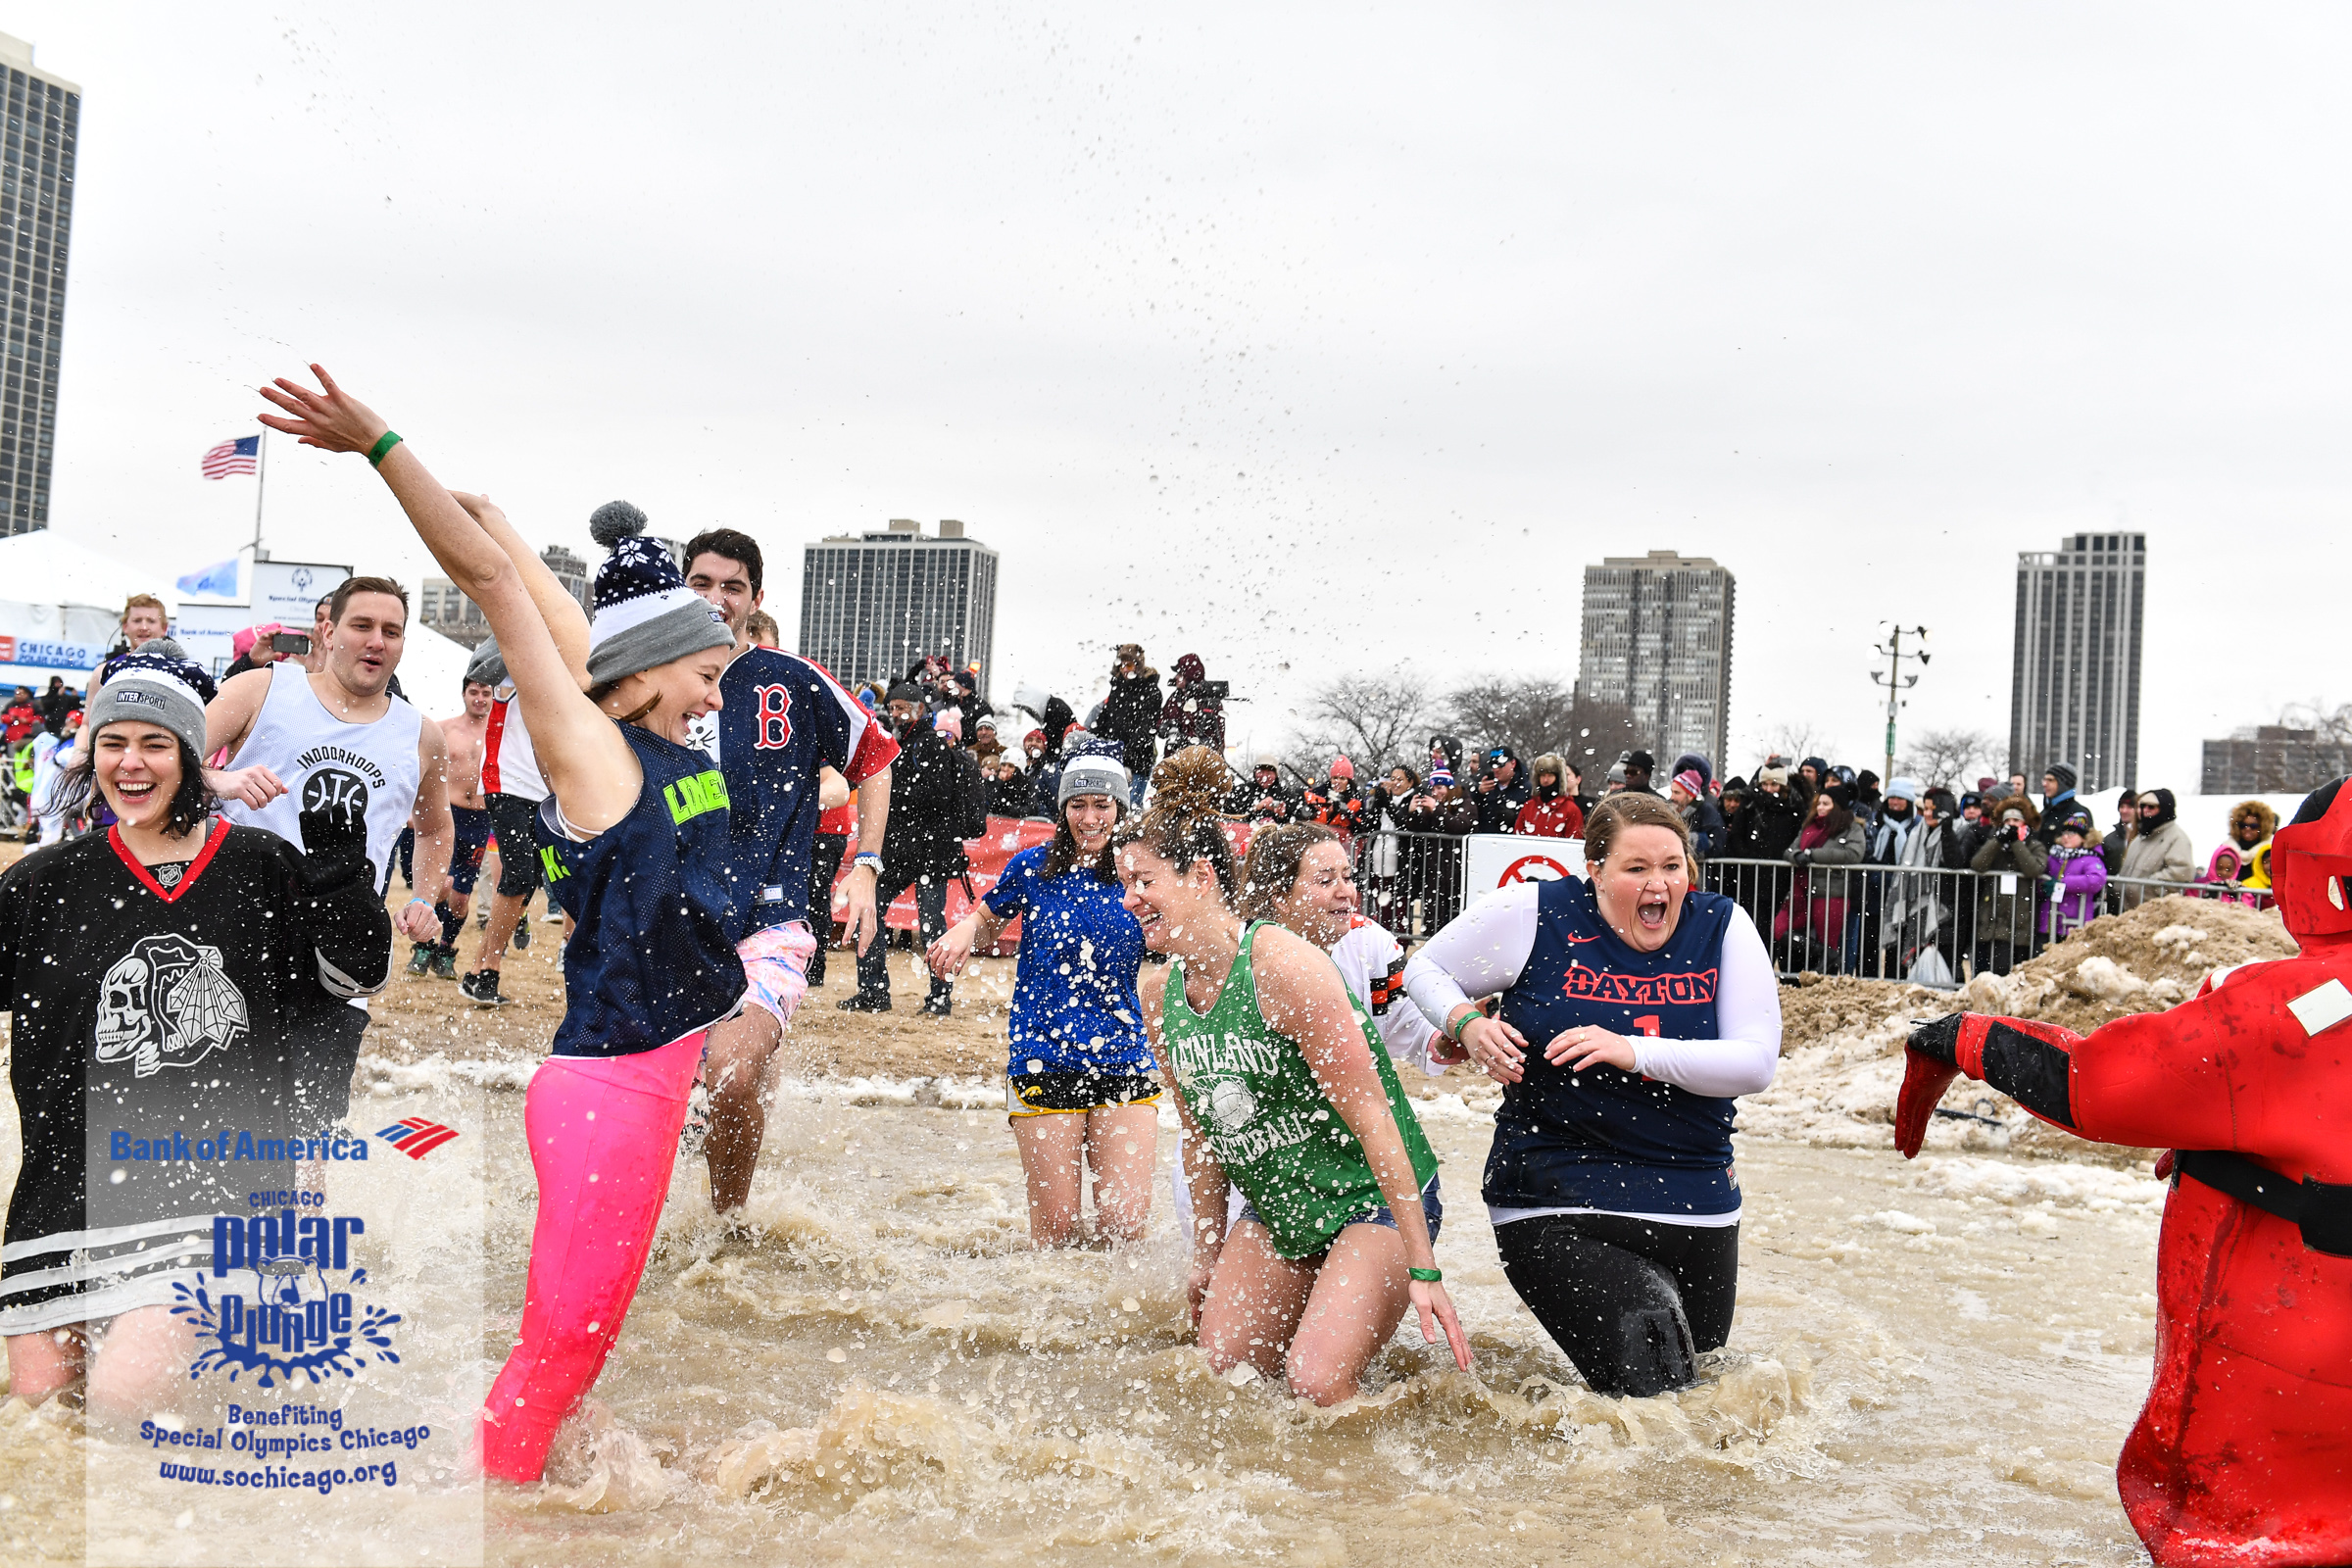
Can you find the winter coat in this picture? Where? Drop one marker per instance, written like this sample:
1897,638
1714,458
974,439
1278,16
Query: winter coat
1555,819
1343,812
1499,803
1817,904
1191,716
2054,811
2002,916
1704,819
924,835
1452,814
2160,853
1012,796
21,720
1767,826
1130,716
2081,875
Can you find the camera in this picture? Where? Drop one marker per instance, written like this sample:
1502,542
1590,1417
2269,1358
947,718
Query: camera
289,642
1219,689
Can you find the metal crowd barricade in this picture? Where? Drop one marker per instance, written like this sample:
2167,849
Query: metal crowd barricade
1883,922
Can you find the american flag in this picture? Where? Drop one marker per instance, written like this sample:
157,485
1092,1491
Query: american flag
241,455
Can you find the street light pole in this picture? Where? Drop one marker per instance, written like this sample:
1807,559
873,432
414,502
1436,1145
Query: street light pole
1895,681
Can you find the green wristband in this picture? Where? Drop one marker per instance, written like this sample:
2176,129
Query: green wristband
1427,1276
1464,1022
382,449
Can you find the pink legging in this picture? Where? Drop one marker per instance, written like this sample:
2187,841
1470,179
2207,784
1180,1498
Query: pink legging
603,1133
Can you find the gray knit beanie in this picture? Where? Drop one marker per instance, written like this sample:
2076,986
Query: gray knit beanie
645,613
488,666
1092,775
154,689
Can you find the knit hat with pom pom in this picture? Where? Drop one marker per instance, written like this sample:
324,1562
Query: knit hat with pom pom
153,688
645,613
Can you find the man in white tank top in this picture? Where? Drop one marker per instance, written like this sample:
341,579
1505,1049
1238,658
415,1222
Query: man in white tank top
295,737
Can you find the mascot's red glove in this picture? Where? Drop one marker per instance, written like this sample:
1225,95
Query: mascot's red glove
1931,1063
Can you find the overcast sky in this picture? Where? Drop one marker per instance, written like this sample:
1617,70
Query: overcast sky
1312,342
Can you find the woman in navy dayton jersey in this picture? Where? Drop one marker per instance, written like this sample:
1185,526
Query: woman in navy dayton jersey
1611,1185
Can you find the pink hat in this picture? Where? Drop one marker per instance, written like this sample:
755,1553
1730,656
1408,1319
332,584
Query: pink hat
1689,779
1342,768
242,642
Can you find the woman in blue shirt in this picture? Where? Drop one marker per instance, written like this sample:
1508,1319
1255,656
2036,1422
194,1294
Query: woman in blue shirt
1082,1083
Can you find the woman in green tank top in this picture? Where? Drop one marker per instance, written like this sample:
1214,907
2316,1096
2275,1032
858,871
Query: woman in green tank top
1285,1091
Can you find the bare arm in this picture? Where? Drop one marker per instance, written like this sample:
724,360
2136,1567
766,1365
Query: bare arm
1301,996
587,762
564,620
1205,1179
227,720
437,834
857,909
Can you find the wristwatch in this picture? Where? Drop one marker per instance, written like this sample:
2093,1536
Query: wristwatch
868,859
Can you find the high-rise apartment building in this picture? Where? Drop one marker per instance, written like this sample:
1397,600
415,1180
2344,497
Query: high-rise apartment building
1657,638
36,217
2074,688
873,604
442,604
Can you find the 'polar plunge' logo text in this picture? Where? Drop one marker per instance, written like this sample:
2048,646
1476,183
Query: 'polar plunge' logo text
302,1318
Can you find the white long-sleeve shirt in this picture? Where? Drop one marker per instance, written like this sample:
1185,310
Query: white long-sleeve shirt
1484,950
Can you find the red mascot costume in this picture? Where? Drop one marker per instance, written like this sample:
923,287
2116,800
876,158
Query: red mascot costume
2243,1454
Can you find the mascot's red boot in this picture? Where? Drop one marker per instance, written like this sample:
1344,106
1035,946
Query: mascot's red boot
2244,1452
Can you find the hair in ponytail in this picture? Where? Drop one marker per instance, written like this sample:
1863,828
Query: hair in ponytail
1186,822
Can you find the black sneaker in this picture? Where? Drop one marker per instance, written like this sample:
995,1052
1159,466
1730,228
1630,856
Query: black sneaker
445,964
862,1002
420,958
522,935
481,987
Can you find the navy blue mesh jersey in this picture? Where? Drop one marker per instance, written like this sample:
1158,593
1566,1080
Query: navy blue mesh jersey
657,908
1601,1137
780,718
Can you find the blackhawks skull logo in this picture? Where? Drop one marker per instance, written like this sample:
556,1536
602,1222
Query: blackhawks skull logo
168,1000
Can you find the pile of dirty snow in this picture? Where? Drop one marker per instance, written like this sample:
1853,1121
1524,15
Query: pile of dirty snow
1841,1044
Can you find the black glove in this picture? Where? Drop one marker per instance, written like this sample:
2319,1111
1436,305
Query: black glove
334,848
1938,1037
1801,857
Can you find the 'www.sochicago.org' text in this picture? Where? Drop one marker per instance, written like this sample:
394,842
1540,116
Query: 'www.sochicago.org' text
280,1479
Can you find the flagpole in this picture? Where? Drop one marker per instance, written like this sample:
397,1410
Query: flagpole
261,485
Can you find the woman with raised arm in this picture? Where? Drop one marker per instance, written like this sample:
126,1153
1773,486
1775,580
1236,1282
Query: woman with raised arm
1634,1011
638,856
1285,1091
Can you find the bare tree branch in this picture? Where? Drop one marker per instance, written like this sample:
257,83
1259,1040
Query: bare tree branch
1948,757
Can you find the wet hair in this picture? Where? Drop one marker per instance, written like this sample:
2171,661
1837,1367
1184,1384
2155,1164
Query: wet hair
731,544
1613,815
341,600
1062,855
1185,823
1271,869
192,804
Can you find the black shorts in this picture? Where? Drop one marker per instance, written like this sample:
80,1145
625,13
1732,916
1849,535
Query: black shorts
1053,1094
467,850
515,820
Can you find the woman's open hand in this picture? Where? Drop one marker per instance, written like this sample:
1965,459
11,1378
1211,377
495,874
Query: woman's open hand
1498,1050
1582,1046
331,419
949,955
1437,1314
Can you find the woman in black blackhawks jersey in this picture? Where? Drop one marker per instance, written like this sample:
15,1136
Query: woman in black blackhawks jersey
153,973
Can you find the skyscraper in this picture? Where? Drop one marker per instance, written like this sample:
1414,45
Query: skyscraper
36,215
1657,638
2074,695
873,604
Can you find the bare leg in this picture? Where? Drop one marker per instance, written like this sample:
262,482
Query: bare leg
506,913
40,1364
1253,1304
1360,1297
141,1364
1052,1146
741,1052
1121,1144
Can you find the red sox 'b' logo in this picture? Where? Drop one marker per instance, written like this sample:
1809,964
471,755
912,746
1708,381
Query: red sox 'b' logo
773,705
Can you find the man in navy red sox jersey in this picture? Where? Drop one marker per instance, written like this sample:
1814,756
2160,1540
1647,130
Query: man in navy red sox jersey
780,720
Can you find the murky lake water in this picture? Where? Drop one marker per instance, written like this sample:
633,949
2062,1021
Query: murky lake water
1930,1364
